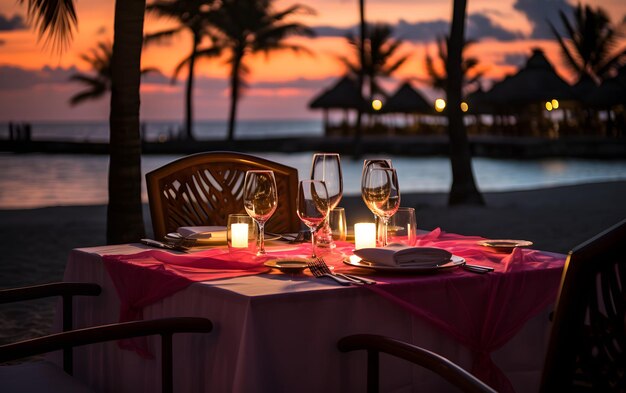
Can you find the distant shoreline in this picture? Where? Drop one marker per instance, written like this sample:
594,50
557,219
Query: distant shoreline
432,145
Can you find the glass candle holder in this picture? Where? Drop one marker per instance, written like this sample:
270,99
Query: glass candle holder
241,233
338,224
402,227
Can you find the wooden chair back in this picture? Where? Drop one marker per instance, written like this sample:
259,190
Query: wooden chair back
587,349
204,188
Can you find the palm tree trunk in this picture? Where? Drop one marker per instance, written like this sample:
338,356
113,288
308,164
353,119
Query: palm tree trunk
361,77
124,213
234,96
189,90
463,188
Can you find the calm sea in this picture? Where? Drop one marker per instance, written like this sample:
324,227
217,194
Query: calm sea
37,180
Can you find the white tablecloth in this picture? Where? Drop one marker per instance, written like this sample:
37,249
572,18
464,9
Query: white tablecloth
276,333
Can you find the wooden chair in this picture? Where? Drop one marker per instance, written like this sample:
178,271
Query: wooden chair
47,377
204,188
587,348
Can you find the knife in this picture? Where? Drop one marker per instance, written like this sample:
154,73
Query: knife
158,244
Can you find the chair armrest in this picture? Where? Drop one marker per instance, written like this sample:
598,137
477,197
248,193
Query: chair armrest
118,331
414,354
47,290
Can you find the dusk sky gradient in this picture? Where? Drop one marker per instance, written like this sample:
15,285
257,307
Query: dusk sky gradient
34,82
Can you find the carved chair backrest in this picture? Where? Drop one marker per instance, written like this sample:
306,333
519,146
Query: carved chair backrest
587,349
204,188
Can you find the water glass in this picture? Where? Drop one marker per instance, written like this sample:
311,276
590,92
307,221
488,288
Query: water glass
241,233
338,224
402,227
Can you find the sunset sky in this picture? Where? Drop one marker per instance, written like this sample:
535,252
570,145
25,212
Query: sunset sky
34,79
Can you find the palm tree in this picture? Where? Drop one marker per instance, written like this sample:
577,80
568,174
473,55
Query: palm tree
379,49
438,76
463,189
192,15
55,20
589,46
97,85
252,26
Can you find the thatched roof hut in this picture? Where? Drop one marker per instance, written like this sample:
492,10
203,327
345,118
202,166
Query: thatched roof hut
536,82
342,95
407,99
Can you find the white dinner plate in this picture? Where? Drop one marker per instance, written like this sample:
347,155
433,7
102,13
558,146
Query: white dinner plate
454,261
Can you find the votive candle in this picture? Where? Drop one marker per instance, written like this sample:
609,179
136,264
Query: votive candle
239,235
364,235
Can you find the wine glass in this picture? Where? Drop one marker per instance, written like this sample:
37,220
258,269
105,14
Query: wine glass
260,198
381,194
313,205
368,165
327,167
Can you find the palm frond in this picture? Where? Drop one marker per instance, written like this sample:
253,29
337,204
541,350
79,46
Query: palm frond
161,36
55,20
89,94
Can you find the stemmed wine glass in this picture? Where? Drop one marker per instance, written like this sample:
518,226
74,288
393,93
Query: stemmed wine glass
381,194
260,198
368,165
327,167
313,206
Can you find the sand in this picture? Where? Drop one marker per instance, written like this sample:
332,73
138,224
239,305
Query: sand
34,243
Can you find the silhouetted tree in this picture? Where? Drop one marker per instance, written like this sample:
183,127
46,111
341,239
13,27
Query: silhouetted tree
589,45
380,48
244,27
463,189
97,85
55,20
437,70
192,16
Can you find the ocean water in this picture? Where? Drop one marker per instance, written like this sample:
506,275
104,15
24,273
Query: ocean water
37,180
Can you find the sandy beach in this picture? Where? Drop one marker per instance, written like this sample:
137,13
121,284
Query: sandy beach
34,243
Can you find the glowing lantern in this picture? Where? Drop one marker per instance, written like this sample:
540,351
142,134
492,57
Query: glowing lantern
440,104
464,106
377,105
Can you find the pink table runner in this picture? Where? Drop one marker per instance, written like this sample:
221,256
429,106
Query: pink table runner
482,312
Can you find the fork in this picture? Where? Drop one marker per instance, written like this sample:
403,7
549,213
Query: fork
321,264
356,279
319,272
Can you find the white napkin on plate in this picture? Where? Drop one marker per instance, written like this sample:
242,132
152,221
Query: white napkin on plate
215,233
400,255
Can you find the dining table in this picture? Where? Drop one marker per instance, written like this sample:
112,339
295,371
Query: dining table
277,331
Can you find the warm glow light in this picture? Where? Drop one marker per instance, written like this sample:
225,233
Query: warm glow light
239,235
464,106
364,235
440,104
377,105
555,104
549,106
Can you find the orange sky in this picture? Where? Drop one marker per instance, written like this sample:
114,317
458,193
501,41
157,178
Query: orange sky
281,86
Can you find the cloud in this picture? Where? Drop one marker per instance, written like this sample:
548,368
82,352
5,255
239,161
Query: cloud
101,30
2,42
515,59
299,83
479,26
539,12
13,78
15,23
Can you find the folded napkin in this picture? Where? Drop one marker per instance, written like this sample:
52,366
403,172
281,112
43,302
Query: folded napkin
214,233
404,256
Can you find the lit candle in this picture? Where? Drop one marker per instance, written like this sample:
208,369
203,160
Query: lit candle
364,235
239,235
